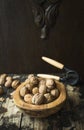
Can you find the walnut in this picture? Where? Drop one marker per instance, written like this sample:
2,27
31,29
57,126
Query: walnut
29,86
55,93
8,78
33,80
42,89
42,82
28,98
50,83
8,82
23,91
35,90
37,99
30,76
27,80
15,84
1,90
48,98
2,79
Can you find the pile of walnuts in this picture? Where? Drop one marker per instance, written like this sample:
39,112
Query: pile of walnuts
39,91
7,81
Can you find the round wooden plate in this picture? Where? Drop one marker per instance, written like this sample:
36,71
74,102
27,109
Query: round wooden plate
43,110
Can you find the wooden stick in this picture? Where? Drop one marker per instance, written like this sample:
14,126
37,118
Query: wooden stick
53,62
48,76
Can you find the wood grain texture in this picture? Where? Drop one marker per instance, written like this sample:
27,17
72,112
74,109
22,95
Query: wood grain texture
21,48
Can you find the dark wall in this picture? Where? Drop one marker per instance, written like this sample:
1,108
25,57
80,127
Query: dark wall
21,48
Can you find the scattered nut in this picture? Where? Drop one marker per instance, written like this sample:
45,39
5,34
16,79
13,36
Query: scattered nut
48,97
55,93
8,83
1,90
35,90
28,98
42,89
37,99
8,78
23,91
2,79
15,84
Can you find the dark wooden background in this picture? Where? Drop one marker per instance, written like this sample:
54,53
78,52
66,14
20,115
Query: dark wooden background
21,48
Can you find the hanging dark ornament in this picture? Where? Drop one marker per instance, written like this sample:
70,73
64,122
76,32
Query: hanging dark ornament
45,13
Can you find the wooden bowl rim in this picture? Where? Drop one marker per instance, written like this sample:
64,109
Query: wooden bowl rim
22,104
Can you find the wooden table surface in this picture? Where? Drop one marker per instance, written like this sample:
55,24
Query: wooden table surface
13,118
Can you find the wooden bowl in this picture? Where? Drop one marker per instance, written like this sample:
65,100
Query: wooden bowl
43,110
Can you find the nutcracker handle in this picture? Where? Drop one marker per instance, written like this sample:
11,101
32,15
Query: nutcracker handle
48,76
53,62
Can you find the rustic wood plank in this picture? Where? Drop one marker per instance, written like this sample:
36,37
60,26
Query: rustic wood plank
11,117
27,122
41,124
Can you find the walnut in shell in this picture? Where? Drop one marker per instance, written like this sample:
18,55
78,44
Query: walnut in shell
29,86
42,88
42,82
28,98
35,90
33,80
8,78
38,99
23,91
2,79
55,93
15,84
48,98
30,76
50,83
8,82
